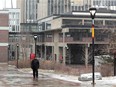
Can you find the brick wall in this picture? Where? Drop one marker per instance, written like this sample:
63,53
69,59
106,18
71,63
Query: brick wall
4,33
4,36
4,19
3,54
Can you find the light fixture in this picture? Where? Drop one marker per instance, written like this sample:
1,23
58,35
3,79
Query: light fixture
92,12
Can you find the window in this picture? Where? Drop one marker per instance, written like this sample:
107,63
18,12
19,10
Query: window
72,22
98,22
110,22
87,22
13,28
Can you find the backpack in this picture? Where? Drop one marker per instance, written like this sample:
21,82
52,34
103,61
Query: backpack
35,64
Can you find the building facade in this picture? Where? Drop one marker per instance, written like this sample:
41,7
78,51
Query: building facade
4,34
109,4
14,29
14,19
28,10
64,33
68,37
50,7
31,10
20,4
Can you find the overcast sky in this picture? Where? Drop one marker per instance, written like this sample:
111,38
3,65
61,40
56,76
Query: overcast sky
8,4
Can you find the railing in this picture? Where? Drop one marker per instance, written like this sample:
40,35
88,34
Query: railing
84,39
75,40
48,40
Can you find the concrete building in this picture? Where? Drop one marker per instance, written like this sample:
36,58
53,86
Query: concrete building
80,5
37,9
65,34
83,5
4,33
14,19
109,4
14,29
68,36
28,10
21,6
50,7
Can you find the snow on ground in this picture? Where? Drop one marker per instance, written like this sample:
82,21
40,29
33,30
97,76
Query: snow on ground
108,80
104,81
71,78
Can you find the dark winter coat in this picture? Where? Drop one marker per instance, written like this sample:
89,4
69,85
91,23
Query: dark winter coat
35,64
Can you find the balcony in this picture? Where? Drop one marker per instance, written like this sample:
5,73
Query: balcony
84,40
48,40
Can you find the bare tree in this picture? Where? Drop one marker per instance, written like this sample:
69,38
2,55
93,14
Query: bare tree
25,41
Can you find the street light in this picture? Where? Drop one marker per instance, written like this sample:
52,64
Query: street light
8,53
17,53
92,13
35,38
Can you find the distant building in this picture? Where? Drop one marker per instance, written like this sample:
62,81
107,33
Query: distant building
80,5
28,10
14,19
21,5
109,4
62,34
14,29
31,10
50,7
4,33
69,36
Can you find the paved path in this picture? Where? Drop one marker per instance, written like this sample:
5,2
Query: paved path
11,77
73,80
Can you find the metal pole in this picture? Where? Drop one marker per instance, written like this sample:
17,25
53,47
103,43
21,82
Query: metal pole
114,64
64,47
93,61
17,56
35,46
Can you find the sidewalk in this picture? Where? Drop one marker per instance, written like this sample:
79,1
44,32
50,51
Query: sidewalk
105,82
53,74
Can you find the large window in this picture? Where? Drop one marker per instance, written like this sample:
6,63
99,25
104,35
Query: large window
98,22
110,22
87,22
72,22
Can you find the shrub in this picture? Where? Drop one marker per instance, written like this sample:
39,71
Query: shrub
106,70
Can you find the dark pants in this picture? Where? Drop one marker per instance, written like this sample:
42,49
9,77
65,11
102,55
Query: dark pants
35,73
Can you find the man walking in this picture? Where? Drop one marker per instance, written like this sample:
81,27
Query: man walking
35,67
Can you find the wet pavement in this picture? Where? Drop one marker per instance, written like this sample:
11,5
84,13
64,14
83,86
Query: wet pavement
11,77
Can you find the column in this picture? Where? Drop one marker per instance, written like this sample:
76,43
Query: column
41,52
64,50
86,56
53,53
45,53
56,46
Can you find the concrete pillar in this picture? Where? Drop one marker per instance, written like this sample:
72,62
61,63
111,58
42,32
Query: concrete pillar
33,49
64,44
56,52
45,53
86,56
56,47
41,52
53,53
64,49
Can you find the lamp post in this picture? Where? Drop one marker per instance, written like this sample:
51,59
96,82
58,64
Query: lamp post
92,13
17,53
35,38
